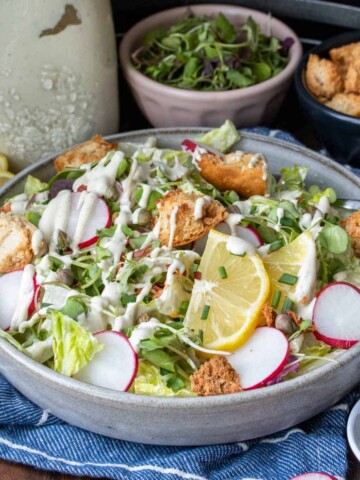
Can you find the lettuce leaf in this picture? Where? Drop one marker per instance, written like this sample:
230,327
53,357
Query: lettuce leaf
34,185
292,178
74,347
148,381
222,138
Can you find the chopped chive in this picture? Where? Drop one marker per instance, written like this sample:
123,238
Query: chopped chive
288,279
205,312
276,299
287,305
195,267
275,245
201,336
287,222
222,272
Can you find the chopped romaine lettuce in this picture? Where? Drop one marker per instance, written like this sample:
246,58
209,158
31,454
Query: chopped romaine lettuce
74,347
222,138
34,185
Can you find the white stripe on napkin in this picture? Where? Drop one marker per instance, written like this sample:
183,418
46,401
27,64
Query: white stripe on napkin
138,468
282,439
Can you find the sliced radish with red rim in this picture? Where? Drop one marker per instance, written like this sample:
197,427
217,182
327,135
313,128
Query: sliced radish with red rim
99,218
190,146
9,290
261,358
115,366
336,315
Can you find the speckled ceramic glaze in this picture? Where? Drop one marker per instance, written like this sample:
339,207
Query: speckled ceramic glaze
164,105
192,421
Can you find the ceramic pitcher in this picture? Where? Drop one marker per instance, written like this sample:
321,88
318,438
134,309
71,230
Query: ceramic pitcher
58,76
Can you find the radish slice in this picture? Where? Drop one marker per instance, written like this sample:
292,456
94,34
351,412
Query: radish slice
113,367
190,146
336,315
248,234
100,218
261,358
314,476
9,289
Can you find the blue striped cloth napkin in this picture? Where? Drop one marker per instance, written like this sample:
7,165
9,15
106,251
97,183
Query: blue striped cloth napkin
31,436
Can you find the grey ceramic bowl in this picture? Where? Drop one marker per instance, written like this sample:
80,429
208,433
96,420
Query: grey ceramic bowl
191,421
246,107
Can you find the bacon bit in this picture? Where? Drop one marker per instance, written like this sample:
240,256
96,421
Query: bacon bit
269,315
6,208
142,252
82,188
298,321
157,293
197,275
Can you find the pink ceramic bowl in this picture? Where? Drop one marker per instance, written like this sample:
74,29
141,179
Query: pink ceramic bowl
168,106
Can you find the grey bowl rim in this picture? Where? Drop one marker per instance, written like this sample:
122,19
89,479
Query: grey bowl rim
288,71
116,399
303,90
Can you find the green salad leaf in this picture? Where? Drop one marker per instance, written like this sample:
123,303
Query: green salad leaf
34,185
222,138
74,347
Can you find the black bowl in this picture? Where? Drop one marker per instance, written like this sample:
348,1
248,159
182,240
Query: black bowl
340,133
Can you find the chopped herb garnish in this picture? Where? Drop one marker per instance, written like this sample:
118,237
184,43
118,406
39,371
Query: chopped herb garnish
276,299
287,305
222,272
288,279
205,312
276,245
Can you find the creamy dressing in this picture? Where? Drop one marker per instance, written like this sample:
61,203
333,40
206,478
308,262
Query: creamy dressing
305,311
55,217
86,205
232,220
142,331
145,195
24,297
279,216
238,246
175,172
172,226
254,160
102,177
37,241
340,276
305,285
243,206
199,206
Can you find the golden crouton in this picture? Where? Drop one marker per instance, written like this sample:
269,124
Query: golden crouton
352,77
215,377
344,55
90,151
347,103
323,77
15,242
244,172
352,226
178,225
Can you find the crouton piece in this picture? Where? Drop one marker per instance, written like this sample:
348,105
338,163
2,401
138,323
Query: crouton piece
352,226
347,103
343,56
323,77
244,172
215,377
180,222
90,151
269,314
15,242
352,77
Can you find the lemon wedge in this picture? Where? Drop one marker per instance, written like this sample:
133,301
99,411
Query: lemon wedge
226,302
5,176
297,259
4,164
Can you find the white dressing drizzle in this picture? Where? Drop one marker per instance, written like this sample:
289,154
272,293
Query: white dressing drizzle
36,241
238,246
172,226
142,331
24,297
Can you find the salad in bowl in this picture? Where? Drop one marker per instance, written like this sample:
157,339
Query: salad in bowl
178,272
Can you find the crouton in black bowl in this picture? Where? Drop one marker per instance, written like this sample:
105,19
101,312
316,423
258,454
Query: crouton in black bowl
327,82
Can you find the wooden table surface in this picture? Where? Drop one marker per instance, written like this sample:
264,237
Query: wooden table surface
11,471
